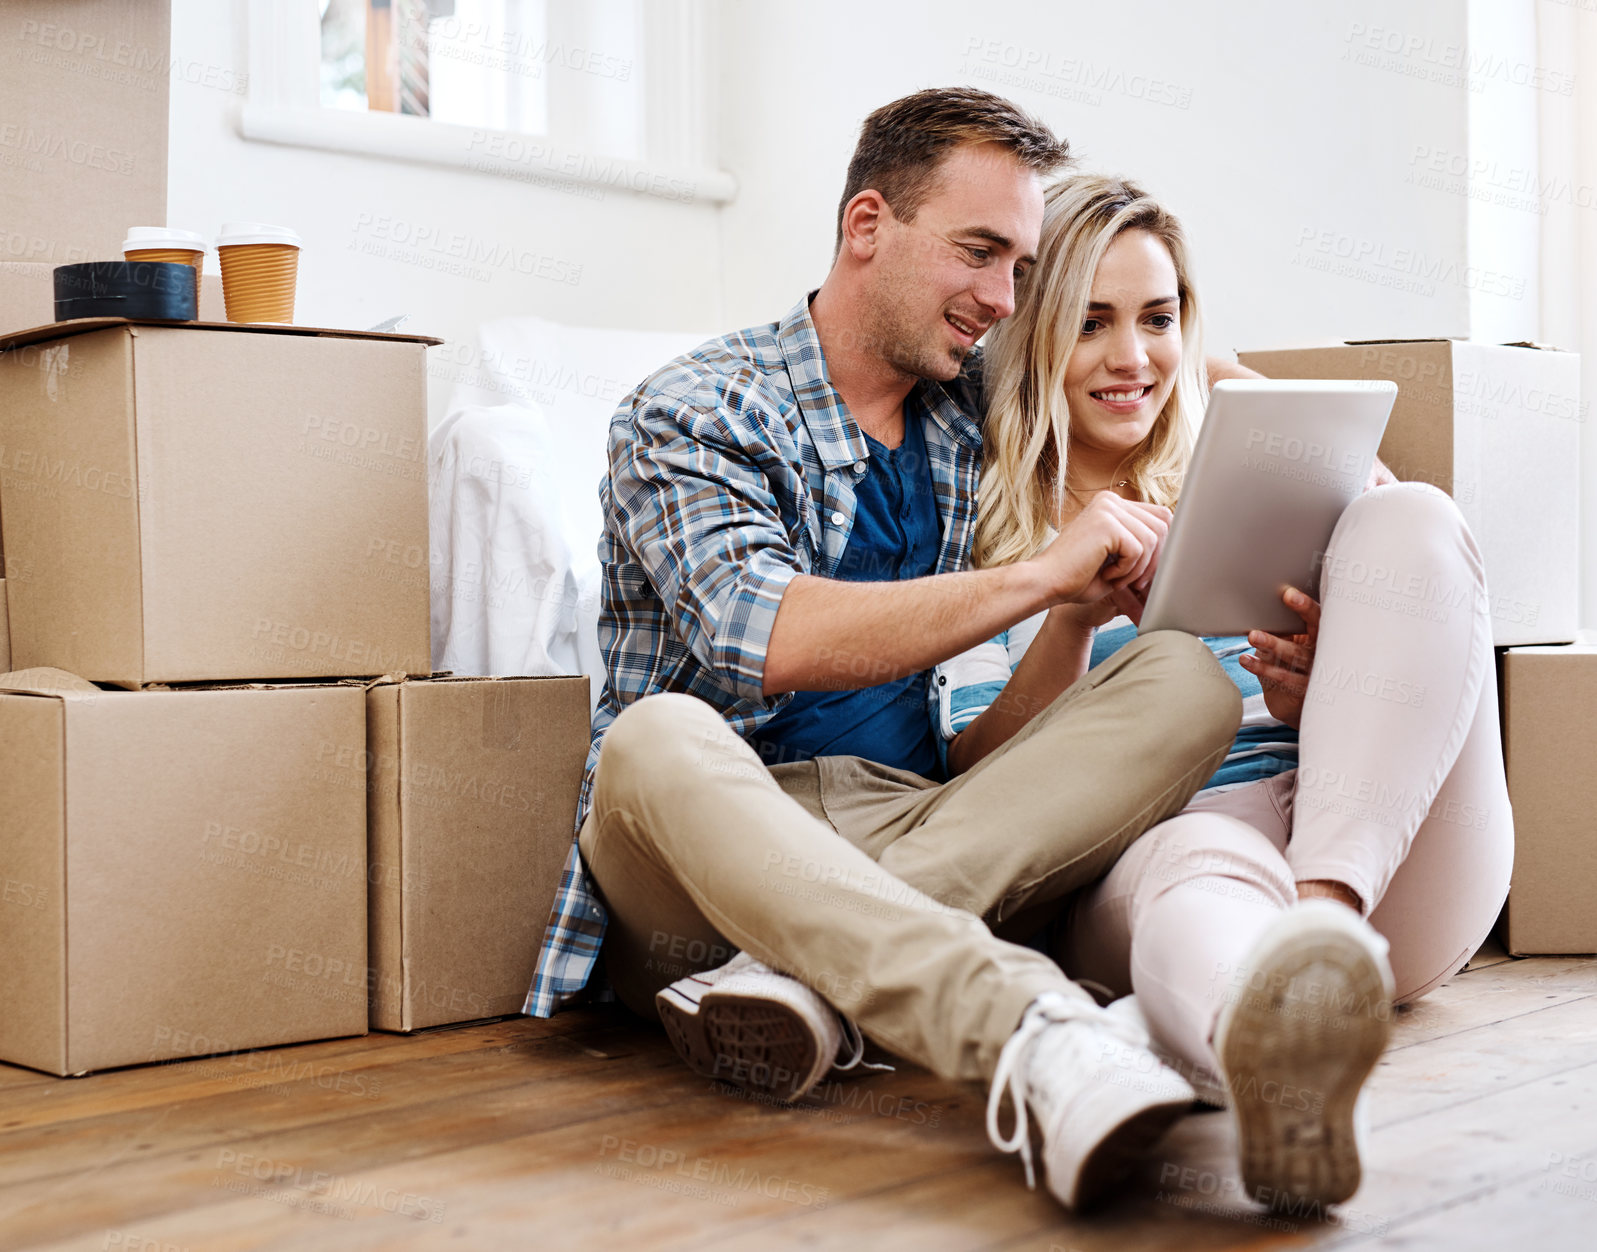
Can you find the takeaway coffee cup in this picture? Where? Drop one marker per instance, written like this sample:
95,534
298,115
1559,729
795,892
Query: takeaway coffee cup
259,266
163,243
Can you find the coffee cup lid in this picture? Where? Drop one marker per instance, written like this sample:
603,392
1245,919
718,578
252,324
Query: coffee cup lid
162,237
235,233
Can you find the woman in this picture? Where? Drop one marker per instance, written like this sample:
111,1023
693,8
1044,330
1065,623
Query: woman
1362,812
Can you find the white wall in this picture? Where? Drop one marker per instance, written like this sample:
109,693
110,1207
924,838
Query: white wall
636,261
1288,159
1567,170
1504,207
1290,140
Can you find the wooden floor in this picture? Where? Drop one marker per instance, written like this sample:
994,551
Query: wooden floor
586,1132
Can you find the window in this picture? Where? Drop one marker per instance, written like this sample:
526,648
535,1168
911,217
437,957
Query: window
616,92
473,62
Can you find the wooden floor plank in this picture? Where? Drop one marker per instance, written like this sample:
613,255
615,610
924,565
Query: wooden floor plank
1544,1211
555,1134
1429,1163
1494,994
1485,1060
212,1111
149,1086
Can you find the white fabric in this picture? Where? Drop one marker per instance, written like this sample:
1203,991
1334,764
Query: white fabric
990,662
514,492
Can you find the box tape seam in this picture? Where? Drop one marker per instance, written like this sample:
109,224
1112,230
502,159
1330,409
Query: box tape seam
66,930
401,820
138,503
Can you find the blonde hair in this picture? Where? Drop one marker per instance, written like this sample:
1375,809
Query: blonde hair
1026,432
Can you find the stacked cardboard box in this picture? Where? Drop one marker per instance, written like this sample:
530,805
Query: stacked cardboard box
181,873
187,505
473,790
242,511
1549,706
201,504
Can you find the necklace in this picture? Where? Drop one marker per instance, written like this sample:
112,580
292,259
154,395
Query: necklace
1090,491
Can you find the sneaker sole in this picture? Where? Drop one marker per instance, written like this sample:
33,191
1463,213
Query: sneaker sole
1294,1069
749,1042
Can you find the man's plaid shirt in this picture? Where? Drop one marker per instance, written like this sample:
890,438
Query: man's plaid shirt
732,470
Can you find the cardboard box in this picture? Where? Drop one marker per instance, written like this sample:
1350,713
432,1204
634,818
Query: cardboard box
85,88
1497,426
473,797
1549,710
211,502
5,632
183,873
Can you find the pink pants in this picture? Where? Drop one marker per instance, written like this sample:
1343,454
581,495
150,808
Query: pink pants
1399,792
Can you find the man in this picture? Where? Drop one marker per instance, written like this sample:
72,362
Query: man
789,513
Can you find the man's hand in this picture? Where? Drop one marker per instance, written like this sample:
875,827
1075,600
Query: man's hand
1111,548
1282,663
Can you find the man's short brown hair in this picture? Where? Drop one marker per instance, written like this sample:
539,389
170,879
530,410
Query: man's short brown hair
902,144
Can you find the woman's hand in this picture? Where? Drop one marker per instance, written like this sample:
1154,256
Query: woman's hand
1282,663
1086,618
1111,546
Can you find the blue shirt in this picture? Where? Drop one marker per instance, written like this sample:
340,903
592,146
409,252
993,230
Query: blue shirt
895,536
1263,747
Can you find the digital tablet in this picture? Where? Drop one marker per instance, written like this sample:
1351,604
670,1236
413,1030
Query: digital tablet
1277,460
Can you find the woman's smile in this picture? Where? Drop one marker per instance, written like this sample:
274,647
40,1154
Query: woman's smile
1123,399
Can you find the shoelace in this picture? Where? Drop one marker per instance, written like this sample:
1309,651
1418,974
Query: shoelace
854,1041
1010,1072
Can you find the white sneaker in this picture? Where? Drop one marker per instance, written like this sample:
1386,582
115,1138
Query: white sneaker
1099,1094
748,1025
1296,1047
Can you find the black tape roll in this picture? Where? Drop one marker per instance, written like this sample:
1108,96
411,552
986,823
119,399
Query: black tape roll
154,290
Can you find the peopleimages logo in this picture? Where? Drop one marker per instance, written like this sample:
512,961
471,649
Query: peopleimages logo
265,844
27,470
1304,451
1339,252
481,43
707,1169
15,246
93,56
1421,55
51,146
290,1176
432,246
362,438
1048,71
490,152
329,646
445,784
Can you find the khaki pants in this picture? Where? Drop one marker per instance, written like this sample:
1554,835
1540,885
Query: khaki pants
874,886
